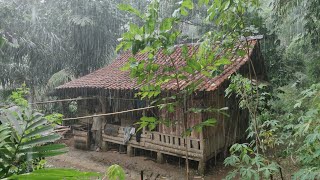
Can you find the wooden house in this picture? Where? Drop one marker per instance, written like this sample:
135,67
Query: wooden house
114,90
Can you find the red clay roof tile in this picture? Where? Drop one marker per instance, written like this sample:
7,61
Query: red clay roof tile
111,77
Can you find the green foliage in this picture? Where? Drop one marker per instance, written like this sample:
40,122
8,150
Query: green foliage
288,123
59,78
297,110
307,129
150,122
129,8
2,41
19,96
115,172
157,33
199,127
161,34
73,107
308,11
250,160
54,118
295,25
27,138
249,165
44,38
54,174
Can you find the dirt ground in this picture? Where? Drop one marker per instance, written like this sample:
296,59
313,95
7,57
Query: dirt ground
99,161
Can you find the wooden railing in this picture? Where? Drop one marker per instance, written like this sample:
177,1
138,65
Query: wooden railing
165,143
175,141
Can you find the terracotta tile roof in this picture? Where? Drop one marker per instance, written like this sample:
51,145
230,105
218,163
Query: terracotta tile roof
111,77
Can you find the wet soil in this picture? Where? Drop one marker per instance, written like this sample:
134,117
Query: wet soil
99,161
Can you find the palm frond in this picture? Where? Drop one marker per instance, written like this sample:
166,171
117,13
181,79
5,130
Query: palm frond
60,78
25,136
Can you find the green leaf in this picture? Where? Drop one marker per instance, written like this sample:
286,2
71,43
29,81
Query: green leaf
53,174
37,124
41,140
134,29
39,131
222,61
241,52
231,175
227,5
45,154
194,64
149,122
115,172
14,121
48,147
4,134
2,41
129,8
206,73
126,67
183,11
138,37
166,24
120,46
203,2
187,4
189,70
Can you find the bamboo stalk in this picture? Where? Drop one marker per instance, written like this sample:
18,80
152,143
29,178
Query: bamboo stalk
110,114
62,100
78,99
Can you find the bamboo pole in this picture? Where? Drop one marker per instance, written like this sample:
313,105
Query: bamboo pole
63,100
110,114
78,99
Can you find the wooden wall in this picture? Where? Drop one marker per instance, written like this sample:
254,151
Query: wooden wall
176,119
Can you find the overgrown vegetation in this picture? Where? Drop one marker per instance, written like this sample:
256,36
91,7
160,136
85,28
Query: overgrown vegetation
27,137
159,33
49,46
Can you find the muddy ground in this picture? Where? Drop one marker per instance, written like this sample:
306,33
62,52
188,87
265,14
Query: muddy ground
99,161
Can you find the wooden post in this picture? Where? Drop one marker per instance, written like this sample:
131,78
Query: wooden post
130,151
88,135
160,158
104,146
201,167
103,104
141,175
202,162
64,112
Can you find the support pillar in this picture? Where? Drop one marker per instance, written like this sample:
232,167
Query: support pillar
104,146
201,167
160,158
130,151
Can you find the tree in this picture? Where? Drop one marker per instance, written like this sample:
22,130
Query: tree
161,34
251,160
47,37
